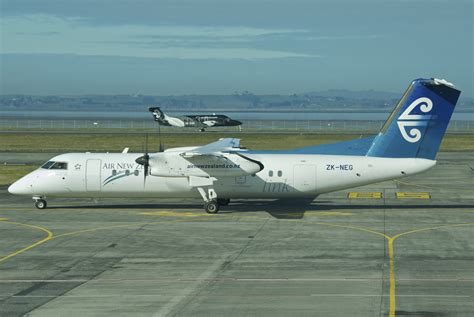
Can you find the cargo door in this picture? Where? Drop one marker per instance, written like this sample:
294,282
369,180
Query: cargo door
304,178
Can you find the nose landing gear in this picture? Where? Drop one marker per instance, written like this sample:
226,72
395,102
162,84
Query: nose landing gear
40,203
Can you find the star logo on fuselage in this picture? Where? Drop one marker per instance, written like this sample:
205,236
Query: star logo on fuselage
77,166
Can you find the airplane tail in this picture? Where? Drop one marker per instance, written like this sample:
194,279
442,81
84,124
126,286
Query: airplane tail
418,123
158,115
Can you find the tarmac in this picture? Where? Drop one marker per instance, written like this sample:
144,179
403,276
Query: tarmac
398,248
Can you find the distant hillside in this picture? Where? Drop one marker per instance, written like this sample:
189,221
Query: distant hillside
324,101
363,94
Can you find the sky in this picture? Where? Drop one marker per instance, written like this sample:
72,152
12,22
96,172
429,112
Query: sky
174,47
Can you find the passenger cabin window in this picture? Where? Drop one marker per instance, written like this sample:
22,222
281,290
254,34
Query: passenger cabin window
270,173
280,173
55,165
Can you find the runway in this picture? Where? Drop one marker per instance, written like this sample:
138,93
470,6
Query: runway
399,248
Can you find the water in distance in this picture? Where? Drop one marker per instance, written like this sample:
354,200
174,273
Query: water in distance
244,115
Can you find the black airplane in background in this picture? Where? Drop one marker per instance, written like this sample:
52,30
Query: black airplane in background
200,122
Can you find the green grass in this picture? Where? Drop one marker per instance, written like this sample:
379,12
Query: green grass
457,143
10,173
63,143
116,142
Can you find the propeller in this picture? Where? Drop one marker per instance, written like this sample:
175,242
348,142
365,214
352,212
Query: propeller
144,160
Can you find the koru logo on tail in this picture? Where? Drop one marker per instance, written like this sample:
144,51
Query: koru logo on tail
407,122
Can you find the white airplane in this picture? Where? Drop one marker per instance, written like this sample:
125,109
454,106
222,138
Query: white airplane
406,145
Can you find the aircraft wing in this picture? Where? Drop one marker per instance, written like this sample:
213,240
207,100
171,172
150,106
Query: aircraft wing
214,148
221,158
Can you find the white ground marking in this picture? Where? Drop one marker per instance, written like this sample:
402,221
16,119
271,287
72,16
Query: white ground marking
181,296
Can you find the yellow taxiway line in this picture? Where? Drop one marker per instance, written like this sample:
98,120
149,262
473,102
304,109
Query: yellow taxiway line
391,251
390,242
49,236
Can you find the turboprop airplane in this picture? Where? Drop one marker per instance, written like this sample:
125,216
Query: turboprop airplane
406,145
193,121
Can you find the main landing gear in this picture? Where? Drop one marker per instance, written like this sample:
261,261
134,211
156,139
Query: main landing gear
211,206
40,203
211,202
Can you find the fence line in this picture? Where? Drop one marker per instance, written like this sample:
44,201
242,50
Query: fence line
272,125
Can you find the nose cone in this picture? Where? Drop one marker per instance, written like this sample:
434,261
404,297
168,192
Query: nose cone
21,187
13,188
236,122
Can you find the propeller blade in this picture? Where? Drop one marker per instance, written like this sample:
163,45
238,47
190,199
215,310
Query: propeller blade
145,162
145,171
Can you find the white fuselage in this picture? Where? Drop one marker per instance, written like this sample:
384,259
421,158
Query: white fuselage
283,176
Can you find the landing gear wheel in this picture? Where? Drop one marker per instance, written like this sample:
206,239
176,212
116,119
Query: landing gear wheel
211,207
223,201
40,204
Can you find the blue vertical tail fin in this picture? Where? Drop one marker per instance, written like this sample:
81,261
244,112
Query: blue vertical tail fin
417,125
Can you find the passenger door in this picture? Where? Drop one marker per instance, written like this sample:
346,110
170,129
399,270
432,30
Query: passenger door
93,177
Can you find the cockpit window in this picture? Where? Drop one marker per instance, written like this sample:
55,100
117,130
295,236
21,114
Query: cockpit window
47,164
55,165
59,166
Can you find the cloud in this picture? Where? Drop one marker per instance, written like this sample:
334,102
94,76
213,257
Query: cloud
344,37
214,32
46,34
